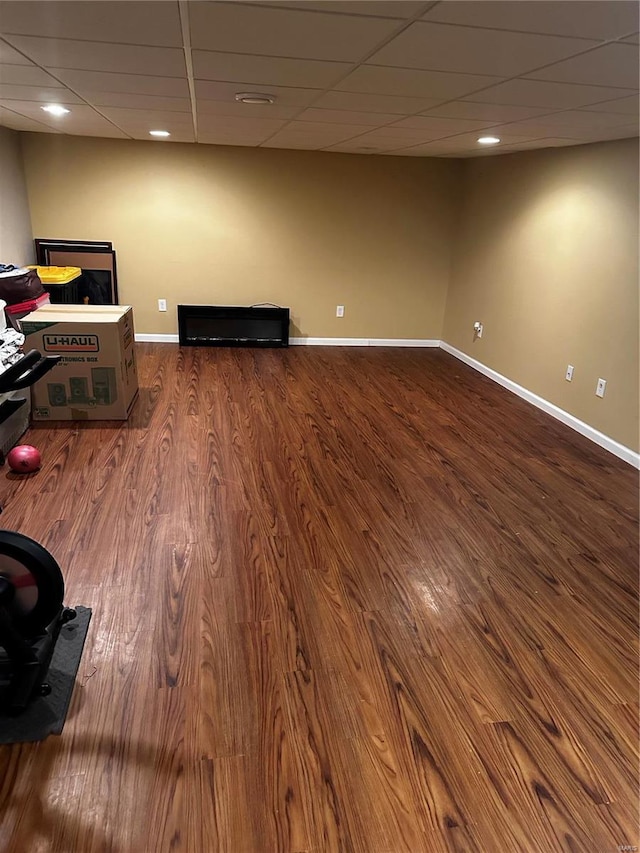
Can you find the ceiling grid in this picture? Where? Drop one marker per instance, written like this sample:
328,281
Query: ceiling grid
395,77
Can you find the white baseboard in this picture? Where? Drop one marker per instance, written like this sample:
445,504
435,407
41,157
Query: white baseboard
363,342
599,438
317,342
569,420
159,339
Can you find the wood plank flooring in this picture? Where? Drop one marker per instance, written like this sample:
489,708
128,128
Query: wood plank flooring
357,600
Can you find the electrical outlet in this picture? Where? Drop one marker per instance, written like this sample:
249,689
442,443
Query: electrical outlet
601,387
339,310
569,373
478,328
162,304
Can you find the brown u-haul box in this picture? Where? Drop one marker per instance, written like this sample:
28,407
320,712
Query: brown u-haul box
96,378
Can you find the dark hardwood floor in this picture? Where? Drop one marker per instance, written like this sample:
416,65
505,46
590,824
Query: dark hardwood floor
344,600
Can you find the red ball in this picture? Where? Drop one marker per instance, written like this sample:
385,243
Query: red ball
24,459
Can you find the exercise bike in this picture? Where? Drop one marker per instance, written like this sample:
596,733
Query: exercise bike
31,616
31,583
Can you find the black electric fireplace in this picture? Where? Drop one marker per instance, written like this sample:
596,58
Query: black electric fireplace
232,326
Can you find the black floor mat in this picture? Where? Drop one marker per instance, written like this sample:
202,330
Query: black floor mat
46,714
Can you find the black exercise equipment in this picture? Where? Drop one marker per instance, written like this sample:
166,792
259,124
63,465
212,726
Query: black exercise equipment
27,370
31,584
24,372
31,616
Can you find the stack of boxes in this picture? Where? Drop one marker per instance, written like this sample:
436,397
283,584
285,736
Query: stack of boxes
96,378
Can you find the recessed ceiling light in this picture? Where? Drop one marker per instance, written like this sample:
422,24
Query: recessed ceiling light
254,98
56,109
489,140
159,133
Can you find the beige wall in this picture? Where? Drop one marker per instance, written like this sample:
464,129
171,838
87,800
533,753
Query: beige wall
542,247
16,241
208,224
546,256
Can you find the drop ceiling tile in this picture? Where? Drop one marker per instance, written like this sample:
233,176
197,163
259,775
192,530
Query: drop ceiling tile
323,130
401,9
611,65
300,140
100,131
507,137
627,132
293,143
468,142
230,140
422,151
357,146
82,119
254,133
469,50
361,102
9,56
267,70
177,136
535,128
252,111
26,125
37,93
138,84
147,22
34,110
138,102
101,56
452,125
148,119
399,137
285,32
559,143
547,142
182,133
592,134
490,112
347,117
580,118
434,151
538,93
239,126
26,75
529,129
20,122
474,155
379,80
629,106
210,90
590,20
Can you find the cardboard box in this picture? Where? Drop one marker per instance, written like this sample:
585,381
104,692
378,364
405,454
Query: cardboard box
96,378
